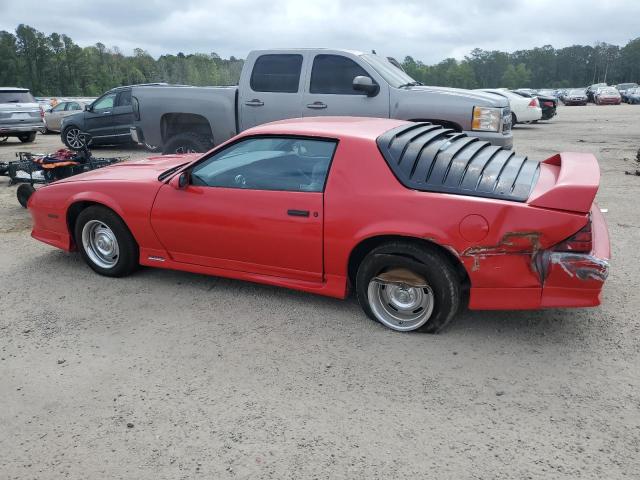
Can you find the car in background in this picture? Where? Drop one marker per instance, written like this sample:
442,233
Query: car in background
575,96
20,115
53,118
632,96
623,87
592,89
107,120
549,105
523,109
607,96
417,219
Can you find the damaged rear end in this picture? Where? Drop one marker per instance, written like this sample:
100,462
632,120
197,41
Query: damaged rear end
573,270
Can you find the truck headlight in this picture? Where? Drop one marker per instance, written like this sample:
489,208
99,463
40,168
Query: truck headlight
486,119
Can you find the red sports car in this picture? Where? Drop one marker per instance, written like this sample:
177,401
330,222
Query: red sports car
418,219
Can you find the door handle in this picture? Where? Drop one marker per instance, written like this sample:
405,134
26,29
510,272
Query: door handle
298,213
254,103
317,105
106,113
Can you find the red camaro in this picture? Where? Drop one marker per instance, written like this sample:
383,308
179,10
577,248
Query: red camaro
418,219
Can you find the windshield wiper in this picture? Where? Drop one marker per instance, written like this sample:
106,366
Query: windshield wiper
167,173
411,84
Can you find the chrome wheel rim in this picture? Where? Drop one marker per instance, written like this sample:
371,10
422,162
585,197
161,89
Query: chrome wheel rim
399,305
185,149
74,138
100,244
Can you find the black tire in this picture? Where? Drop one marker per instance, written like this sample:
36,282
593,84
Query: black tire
23,193
186,143
428,263
128,252
68,136
514,119
27,137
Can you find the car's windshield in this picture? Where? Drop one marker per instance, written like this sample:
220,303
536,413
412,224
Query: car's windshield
19,96
609,91
576,91
392,74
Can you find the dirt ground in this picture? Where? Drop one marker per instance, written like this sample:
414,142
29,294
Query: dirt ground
169,375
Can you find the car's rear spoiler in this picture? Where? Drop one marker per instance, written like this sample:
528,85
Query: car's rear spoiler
568,181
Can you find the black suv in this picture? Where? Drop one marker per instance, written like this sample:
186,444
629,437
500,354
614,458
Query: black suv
108,120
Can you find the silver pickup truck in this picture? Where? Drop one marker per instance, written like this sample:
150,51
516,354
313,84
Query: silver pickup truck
279,84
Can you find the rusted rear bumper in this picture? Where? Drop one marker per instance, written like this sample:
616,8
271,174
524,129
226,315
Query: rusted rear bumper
576,279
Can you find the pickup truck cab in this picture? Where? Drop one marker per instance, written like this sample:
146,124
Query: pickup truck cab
294,83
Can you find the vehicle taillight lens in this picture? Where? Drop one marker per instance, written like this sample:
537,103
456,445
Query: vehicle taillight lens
534,102
548,104
580,242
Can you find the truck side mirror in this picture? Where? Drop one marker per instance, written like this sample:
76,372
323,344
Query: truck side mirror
366,85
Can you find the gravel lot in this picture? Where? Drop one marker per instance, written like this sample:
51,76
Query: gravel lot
174,375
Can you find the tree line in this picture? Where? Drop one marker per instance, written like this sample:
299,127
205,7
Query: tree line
53,65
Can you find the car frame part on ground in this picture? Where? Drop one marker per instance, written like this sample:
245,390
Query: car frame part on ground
523,110
20,115
294,83
443,220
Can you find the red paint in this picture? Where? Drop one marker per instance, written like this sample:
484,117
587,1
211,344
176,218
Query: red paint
247,234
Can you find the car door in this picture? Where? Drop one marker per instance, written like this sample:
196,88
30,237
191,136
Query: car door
255,206
329,90
272,91
53,118
123,115
98,119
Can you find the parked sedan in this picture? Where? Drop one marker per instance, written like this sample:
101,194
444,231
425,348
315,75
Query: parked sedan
607,96
53,118
576,96
418,219
523,110
633,96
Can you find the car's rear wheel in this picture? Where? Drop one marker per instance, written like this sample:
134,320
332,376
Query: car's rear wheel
73,138
408,287
105,242
186,143
27,137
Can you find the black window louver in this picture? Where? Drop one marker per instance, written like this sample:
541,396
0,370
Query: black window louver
431,158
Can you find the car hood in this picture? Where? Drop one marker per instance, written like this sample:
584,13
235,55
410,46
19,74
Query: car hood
138,170
479,98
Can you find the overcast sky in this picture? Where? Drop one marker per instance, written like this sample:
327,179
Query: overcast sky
427,30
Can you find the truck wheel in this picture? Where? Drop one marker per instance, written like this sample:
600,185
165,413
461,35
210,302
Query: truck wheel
72,137
186,143
407,287
23,193
27,137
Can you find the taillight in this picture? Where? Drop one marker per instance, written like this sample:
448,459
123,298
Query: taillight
580,242
534,102
548,104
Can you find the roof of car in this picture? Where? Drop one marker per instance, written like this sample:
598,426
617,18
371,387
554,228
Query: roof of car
331,127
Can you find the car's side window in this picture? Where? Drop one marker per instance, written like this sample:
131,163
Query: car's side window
105,102
59,107
73,106
268,163
124,98
276,73
334,74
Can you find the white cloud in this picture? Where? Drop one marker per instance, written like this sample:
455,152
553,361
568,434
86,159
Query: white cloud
428,31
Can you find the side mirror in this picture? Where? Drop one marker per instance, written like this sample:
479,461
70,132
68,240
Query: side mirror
183,180
87,107
366,85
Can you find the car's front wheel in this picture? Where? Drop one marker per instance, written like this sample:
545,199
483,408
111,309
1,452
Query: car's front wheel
408,287
73,138
105,242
